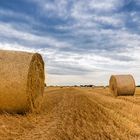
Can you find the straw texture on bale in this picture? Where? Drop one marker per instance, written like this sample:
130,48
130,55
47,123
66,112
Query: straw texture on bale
21,81
122,85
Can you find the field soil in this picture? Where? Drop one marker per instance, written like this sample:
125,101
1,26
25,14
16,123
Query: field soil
70,113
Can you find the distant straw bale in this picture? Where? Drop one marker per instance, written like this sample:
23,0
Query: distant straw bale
22,81
122,85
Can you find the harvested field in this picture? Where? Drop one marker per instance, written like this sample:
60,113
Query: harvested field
77,114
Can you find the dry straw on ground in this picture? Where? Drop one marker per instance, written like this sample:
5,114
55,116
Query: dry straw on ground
22,81
122,85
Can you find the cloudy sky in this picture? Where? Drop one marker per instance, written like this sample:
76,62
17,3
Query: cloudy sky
81,41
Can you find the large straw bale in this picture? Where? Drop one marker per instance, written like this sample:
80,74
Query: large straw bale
21,81
122,85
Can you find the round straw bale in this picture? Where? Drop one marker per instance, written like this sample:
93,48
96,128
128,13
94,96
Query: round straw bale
122,85
22,81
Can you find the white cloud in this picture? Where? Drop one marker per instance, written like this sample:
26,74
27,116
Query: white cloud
54,8
16,47
98,12
8,31
90,11
106,5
